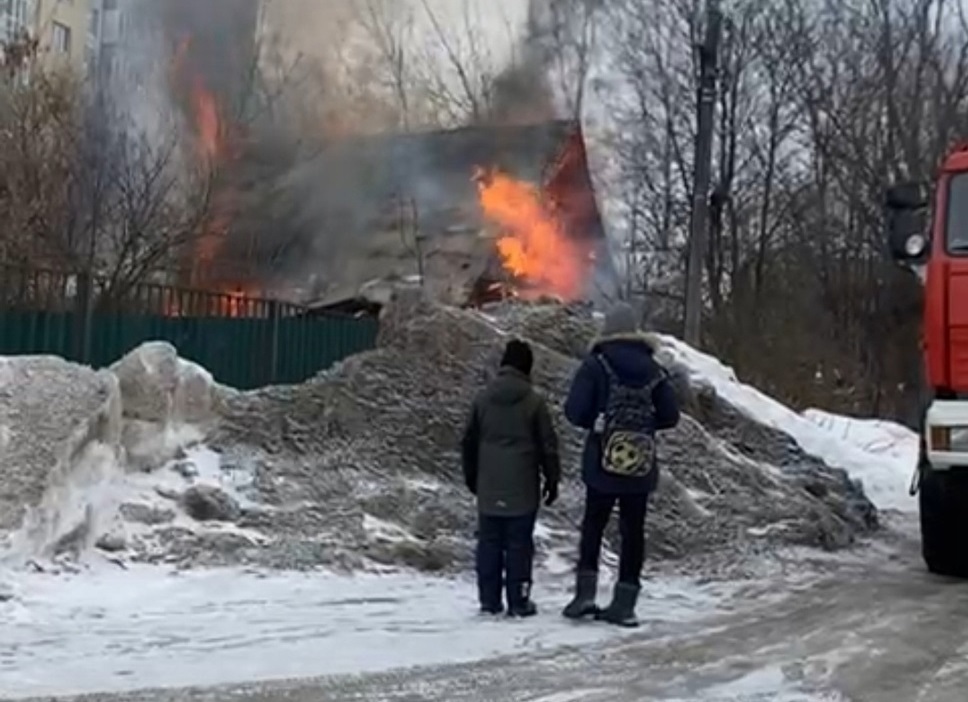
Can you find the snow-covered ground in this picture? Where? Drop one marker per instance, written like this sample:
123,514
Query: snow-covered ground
108,628
115,630
882,455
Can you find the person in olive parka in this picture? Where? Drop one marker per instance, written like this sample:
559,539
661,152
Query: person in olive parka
509,444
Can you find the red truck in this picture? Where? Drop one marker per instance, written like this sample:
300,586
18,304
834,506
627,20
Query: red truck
933,242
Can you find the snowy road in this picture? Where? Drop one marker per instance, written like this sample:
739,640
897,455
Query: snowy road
117,631
873,629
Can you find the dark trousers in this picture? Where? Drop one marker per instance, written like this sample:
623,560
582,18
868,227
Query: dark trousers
631,514
504,545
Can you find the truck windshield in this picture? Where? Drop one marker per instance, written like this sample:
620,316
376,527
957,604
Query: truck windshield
957,220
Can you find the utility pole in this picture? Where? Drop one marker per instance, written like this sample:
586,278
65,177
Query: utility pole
702,168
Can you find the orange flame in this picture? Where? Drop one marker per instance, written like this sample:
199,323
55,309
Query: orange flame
209,138
533,245
213,142
236,303
207,120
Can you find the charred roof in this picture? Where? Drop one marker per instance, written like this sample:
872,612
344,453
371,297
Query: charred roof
356,180
351,212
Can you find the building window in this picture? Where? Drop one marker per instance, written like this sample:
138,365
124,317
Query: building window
61,38
13,18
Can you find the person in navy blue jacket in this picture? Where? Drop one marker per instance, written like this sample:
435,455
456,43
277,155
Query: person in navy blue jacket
621,356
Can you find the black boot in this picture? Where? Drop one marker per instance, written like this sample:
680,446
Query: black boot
527,608
519,601
621,611
583,604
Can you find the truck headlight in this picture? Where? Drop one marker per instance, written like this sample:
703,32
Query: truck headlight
952,439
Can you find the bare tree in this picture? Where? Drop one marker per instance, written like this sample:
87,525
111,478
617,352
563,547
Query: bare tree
651,98
39,118
458,66
821,106
148,215
84,197
389,28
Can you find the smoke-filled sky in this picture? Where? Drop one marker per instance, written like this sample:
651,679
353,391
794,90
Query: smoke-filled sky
276,219
312,25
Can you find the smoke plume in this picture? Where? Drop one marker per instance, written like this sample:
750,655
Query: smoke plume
522,92
293,199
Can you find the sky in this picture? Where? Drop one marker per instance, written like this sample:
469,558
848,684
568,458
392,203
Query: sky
311,26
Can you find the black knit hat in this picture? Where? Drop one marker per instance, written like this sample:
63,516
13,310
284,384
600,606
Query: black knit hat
518,355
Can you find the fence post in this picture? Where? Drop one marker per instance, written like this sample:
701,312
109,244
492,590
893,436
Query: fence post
275,315
83,309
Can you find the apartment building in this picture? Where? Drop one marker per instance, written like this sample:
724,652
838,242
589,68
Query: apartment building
137,37
65,30
126,42
65,33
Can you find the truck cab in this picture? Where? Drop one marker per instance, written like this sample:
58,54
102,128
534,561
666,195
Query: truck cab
929,235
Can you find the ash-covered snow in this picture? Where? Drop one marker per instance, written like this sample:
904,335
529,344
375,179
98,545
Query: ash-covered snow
357,437
358,467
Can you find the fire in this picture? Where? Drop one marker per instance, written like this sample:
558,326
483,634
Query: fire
215,226
533,247
207,120
236,303
214,148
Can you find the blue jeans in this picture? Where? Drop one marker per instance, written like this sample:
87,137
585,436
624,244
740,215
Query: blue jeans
505,552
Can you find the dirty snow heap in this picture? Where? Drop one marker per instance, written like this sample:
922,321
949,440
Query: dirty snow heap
153,461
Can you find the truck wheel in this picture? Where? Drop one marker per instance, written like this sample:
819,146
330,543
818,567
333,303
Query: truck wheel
943,505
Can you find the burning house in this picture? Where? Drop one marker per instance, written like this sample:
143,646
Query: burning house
472,214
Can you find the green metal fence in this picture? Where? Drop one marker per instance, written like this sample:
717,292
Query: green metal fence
244,342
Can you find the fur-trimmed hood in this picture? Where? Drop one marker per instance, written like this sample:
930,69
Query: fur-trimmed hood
651,341
630,354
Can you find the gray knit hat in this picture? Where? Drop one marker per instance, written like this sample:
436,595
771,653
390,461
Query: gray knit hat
620,319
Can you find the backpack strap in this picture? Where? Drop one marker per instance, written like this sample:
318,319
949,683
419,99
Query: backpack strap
609,371
661,375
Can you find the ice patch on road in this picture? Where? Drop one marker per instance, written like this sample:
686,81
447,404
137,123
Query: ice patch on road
768,684
113,631
882,455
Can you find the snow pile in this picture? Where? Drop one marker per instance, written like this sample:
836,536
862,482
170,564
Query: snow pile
195,497
72,435
362,463
359,467
167,403
59,435
882,455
